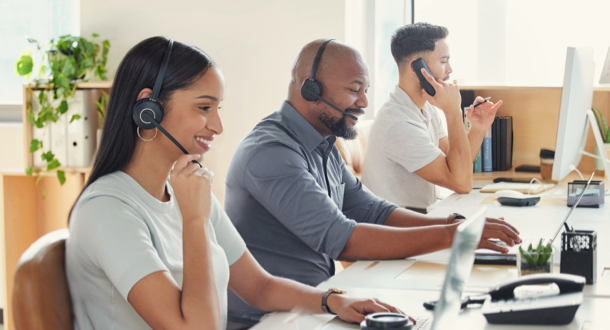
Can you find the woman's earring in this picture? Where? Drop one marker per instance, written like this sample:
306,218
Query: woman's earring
143,139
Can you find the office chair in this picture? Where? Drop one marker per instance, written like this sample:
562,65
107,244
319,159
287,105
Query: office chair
41,299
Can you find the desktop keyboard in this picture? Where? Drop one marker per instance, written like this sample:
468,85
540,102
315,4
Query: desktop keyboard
422,323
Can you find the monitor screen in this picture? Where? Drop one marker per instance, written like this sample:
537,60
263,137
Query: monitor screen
576,100
465,241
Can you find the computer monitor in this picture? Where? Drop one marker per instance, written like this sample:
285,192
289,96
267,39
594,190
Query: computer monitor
576,100
465,241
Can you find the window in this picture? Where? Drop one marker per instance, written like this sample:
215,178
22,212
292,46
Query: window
369,26
517,42
37,19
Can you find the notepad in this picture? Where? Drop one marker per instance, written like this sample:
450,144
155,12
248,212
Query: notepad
536,188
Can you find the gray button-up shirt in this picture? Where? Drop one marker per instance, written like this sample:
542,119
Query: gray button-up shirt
294,201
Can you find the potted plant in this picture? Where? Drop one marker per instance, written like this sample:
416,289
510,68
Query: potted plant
533,261
604,129
65,62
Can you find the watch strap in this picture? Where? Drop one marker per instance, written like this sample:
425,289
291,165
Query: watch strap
324,306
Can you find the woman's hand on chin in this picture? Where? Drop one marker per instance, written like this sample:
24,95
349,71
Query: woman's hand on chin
193,188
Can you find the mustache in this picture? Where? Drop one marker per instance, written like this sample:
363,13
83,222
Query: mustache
359,111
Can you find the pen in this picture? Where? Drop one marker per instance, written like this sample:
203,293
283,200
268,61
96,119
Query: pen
477,104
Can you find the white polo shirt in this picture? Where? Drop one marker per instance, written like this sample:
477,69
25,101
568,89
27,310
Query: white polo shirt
402,140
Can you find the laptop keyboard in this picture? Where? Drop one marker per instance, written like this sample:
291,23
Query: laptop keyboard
422,323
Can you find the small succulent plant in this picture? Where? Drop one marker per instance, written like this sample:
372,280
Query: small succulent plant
538,256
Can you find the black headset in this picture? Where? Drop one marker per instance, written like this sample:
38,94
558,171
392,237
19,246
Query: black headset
311,90
148,113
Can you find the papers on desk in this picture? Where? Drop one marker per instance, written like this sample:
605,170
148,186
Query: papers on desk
534,188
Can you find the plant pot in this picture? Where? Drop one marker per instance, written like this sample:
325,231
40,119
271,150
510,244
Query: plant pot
525,268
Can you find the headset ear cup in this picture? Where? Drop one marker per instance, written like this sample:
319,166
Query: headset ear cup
311,90
152,108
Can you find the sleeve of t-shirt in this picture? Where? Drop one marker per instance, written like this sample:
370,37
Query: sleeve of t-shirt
278,178
409,145
226,234
115,238
361,204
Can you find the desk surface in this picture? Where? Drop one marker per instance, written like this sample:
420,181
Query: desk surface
408,283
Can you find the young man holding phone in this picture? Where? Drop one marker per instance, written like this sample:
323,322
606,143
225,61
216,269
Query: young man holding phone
409,150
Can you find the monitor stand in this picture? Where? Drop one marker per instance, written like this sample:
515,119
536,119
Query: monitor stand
598,141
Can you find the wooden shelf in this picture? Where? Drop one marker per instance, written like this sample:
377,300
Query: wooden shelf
80,85
31,207
28,211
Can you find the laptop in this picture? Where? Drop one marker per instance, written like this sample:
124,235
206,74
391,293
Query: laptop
465,241
495,258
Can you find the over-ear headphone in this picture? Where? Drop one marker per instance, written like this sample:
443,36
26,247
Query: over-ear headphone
151,106
148,113
311,90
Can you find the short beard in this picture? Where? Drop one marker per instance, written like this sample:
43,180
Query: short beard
338,127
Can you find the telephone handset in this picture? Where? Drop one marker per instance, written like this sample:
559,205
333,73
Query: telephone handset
566,283
417,65
501,307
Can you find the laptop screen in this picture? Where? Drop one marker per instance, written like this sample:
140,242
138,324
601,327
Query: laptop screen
465,241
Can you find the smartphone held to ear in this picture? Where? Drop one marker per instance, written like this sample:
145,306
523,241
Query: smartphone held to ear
417,65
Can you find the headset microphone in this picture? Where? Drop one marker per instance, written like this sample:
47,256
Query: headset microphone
150,108
312,89
337,108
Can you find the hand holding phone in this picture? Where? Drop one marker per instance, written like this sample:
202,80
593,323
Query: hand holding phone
442,95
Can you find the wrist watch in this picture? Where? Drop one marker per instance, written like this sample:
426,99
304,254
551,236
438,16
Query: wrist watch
330,291
453,216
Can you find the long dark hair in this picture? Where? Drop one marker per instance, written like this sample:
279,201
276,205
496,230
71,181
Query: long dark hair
138,70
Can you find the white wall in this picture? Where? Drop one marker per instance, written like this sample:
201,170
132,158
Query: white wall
12,147
254,42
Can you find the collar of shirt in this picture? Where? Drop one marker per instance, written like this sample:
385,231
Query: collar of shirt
308,136
404,98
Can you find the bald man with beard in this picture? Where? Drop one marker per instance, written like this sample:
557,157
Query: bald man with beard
296,204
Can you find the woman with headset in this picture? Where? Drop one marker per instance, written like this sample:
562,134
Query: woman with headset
150,245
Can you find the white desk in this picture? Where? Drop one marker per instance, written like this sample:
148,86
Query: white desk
592,314
408,283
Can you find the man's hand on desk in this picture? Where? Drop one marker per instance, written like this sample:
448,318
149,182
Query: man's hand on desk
498,229
354,310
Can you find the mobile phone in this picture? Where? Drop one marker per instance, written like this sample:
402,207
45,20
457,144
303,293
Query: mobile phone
417,65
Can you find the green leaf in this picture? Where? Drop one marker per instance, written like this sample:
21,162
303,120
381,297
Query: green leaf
95,35
24,65
28,171
526,256
544,258
31,118
61,176
48,156
63,107
74,117
35,145
42,98
62,81
68,67
53,164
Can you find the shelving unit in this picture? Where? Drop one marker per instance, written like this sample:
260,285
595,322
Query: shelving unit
535,112
27,97
29,210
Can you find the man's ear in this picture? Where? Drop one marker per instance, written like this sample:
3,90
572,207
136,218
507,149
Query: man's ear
144,94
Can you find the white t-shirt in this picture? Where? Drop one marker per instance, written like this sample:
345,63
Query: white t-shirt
119,234
402,140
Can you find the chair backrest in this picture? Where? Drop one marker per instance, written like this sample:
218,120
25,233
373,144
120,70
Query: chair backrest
41,299
352,151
